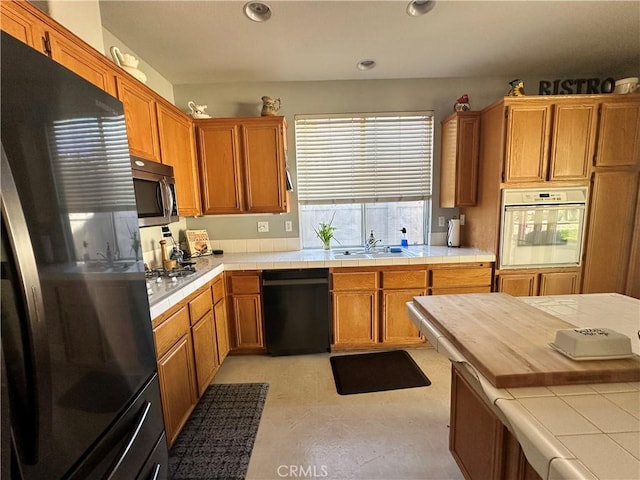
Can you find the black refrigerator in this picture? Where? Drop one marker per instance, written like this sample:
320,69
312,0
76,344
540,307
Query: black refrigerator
80,395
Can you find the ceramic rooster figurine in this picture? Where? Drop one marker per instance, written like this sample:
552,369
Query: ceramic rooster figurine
517,88
462,104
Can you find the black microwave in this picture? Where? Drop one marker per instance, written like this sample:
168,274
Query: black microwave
155,188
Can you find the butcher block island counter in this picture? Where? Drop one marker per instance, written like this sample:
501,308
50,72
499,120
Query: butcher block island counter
520,409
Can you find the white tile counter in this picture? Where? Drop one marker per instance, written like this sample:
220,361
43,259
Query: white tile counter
166,293
572,431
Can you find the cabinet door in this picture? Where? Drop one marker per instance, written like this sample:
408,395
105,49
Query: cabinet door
459,166
141,119
355,318
619,134
19,23
205,352
476,434
527,143
222,330
177,386
573,139
247,317
608,242
221,177
397,327
264,167
78,60
518,284
177,149
562,283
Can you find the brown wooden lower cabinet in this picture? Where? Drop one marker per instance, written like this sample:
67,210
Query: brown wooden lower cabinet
205,351
191,343
396,327
532,283
246,311
355,318
176,371
481,445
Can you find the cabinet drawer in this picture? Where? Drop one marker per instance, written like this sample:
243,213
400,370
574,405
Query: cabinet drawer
404,279
200,305
240,284
458,291
170,331
355,281
218,291
460,277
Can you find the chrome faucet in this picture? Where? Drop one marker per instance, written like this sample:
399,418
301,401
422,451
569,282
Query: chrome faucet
370,244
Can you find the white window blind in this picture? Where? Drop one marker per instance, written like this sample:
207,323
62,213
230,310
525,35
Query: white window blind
376,157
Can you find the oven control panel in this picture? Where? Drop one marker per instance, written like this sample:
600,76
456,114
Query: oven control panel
551,196
543,197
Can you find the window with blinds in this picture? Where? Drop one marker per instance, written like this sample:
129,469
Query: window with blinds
366,172
355,158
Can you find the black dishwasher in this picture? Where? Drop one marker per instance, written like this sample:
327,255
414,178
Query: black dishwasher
296,311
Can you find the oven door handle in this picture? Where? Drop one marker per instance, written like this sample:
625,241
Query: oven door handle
538,206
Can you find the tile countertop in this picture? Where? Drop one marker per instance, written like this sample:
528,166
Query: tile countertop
587,431
166,293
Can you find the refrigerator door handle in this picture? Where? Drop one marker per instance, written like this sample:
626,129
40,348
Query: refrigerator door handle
35,364
130,441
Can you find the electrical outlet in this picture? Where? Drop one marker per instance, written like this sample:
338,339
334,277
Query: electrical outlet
288,226
462,219
263,227
441,221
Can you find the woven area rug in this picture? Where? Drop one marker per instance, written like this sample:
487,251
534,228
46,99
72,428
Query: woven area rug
376,372
217,440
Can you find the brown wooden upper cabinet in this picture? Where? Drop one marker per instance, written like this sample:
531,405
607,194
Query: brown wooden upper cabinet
619,134
242,165
29,25
548,140
459,159
177,148
140,117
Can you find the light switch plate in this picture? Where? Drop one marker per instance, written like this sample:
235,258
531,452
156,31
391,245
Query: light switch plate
263,227
288,226
462,219
441,221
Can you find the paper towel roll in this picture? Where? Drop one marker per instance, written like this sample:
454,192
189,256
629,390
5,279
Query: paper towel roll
453,233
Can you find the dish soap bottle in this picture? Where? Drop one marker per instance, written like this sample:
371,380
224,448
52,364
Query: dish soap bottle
404,242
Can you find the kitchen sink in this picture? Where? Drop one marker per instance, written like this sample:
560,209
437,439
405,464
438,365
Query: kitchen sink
360,253
403,253
346,256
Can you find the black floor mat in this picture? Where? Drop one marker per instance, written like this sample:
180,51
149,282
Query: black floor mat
376,372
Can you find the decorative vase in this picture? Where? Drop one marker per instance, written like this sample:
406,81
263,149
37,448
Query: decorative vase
128,62
326,244
270,106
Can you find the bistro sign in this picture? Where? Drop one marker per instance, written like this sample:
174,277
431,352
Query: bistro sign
576,85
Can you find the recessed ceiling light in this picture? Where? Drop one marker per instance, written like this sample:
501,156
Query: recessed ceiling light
366,64
257,11
420,7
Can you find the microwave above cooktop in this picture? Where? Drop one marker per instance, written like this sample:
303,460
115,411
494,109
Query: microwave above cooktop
155,189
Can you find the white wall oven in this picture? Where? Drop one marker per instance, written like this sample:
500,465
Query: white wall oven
542,227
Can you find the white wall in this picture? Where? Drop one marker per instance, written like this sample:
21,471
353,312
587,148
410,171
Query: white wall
243,99
82,17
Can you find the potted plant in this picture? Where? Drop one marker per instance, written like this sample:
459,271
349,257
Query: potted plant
325,232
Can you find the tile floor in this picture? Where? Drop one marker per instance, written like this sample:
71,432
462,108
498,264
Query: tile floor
309,431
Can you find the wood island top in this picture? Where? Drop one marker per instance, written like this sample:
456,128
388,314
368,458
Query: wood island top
507,341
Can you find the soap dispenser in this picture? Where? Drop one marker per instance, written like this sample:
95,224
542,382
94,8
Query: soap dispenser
404,242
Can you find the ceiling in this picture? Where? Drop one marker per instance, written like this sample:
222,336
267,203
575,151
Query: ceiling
212,41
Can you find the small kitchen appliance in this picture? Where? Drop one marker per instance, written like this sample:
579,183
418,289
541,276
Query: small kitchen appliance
453,233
